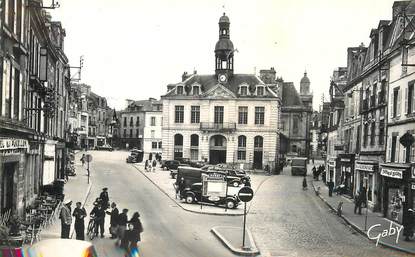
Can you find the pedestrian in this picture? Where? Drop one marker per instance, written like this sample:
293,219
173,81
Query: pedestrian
83,159
137,229
357,203
114,213
66,219
323,177
314,172
127,238
146,165
79,213
99,213
408,224
331,186
104,198
312,160
154,165
122,225
180,187
304,183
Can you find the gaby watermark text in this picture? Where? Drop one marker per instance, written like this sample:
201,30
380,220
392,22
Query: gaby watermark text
393,231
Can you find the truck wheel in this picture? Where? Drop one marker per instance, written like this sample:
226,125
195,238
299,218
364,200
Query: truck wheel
190,199
230,204
235,184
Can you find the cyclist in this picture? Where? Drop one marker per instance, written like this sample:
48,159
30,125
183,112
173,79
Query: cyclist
99,213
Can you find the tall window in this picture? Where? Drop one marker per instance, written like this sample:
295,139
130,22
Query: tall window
365,134
258,142
259,115
180,90
260,91
131,121
242,148
153,133
295,125
244,90
393,148
218,114
178,146
195,90
153,121
194,147
137,121
131,133
125,121
410,98
372,133
381,133
396,102
243,115
16,95
179,114
154,145
195,114
137,132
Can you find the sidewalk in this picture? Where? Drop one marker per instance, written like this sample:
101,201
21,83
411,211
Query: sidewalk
373,219
76,189
161,179
231,238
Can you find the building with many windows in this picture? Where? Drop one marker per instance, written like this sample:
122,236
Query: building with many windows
140,126
222,117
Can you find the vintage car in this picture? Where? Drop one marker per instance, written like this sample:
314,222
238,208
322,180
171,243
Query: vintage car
233,176
299,166
135,156
193,194
170,164
105,148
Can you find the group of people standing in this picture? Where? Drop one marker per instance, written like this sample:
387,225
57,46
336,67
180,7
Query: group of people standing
150,165
318,171
126,231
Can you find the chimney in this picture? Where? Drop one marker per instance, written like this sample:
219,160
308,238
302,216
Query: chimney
185,76
268,76
398,7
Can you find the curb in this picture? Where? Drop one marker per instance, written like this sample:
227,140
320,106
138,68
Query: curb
224,241
357,229
179,204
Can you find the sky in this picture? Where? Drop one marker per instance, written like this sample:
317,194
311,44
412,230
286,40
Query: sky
133,48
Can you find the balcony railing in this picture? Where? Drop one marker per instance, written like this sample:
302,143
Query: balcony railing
218,127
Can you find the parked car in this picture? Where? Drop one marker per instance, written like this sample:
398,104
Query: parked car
197,164
105,148
170,164
234,177
135,156
193,194
184,160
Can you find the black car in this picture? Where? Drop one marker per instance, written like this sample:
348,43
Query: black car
193,194
197,164
135,156
184,160
170,164
233,176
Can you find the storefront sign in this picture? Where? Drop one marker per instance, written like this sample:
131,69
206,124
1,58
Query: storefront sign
365,167
13,143
392,173
345,160
413,186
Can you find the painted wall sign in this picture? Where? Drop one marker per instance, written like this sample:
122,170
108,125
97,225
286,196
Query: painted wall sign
13,143
392,173
365,167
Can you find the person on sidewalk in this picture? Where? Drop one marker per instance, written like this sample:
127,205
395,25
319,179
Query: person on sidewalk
154,165
99,213
122,225
314,172
361,199
114,213
357,203
104,198
304,183
83,159
146,165
408,224
66,219
79,213
331,186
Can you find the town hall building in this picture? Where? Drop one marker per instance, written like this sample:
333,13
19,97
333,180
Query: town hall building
222,117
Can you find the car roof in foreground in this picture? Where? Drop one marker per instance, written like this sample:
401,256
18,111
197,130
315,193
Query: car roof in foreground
62,248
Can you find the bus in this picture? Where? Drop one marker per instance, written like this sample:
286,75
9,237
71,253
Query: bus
299,166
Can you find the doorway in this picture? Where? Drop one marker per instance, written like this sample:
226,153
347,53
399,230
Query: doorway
7,186
217,149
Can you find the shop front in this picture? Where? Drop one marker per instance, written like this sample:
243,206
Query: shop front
333,171
398,182
367,178
347,172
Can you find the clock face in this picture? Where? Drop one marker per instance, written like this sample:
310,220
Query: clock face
222,78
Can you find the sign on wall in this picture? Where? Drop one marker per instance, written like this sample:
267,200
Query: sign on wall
13,143
392,173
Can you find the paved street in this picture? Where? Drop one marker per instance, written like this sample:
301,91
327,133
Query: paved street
168,230
284,219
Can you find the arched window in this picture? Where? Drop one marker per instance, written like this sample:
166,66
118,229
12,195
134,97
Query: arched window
180,90
258,142
196,90
241,148
194,147
178,146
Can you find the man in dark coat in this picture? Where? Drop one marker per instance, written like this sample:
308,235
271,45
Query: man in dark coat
99,213
79,213
114,213
122,225
104,198
66,219
408,224
331,186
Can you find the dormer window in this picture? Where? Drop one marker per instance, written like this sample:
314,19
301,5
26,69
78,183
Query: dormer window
260,91
180,90
196,90
244,90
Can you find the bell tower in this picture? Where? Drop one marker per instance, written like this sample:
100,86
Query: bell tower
224,52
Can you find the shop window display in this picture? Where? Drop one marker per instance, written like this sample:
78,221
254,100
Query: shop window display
395,208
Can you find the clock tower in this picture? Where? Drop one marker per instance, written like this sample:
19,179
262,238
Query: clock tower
224,52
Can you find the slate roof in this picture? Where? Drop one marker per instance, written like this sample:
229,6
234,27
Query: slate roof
147,105
290,96
209,81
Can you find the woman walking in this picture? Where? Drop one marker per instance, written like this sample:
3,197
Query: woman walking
137,229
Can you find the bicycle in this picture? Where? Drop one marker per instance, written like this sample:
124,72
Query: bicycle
92,230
